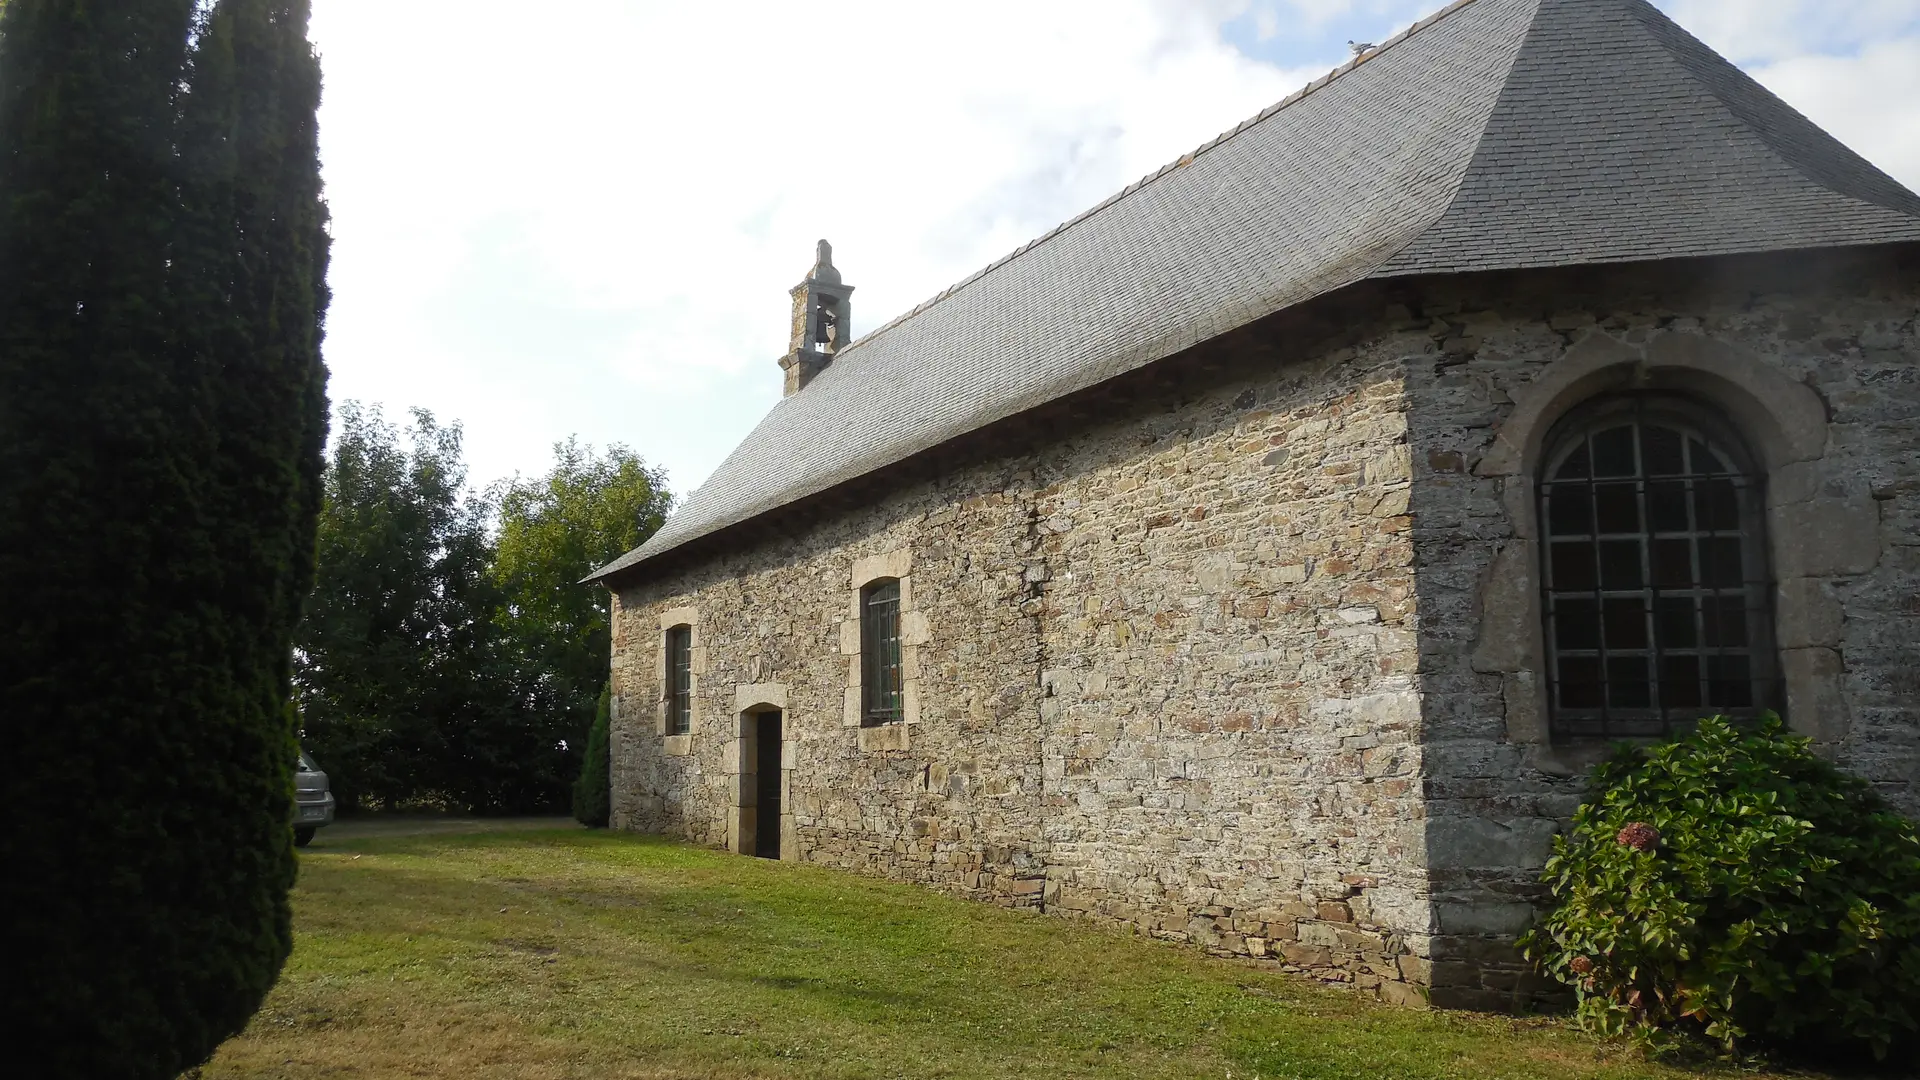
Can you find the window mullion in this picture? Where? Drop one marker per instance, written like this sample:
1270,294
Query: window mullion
1549,613
1656,652
1695,569
1756,572
869,631
1604,659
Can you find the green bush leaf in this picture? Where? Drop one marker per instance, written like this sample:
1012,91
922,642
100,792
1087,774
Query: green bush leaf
1780,904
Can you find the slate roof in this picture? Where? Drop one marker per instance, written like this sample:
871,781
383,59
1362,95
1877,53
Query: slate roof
1494,135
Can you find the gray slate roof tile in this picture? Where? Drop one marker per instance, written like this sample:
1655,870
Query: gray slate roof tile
1496,134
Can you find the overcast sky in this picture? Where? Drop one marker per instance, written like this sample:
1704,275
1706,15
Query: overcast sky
583,216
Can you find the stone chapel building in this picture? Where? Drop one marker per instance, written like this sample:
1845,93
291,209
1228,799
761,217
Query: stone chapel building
1258,559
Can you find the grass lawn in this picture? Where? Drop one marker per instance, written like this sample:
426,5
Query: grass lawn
564,953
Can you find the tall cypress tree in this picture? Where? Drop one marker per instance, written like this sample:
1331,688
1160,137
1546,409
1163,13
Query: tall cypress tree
162,251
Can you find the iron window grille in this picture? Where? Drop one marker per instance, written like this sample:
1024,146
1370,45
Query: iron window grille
880,653
680,680
1654,575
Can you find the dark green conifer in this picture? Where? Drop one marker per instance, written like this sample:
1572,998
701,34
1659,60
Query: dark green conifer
162,251
593,791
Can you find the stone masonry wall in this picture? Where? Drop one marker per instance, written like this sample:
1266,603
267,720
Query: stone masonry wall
1163,673
1846,550
1252,665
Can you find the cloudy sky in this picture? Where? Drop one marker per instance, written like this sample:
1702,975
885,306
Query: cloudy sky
582,217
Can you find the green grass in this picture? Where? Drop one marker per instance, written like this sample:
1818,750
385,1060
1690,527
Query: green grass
573,954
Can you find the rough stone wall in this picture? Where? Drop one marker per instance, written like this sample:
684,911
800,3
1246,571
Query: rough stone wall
1165,678
1847,551
1230,718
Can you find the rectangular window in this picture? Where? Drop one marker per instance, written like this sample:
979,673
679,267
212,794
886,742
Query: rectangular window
880,653
680,680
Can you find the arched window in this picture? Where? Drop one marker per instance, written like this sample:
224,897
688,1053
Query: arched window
1655,580
880,675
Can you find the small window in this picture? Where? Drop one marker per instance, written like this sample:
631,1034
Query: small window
880,653
680,680
1654,571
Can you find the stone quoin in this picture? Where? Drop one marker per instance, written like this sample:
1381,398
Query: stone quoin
1259,559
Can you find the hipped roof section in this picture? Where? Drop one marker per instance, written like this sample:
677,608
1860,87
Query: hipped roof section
1494,135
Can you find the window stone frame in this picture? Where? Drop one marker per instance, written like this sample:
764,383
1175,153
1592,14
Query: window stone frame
1814,534
672,618
896,564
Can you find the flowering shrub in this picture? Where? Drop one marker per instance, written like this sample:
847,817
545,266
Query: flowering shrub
1734,885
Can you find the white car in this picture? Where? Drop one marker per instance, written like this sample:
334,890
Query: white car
312,801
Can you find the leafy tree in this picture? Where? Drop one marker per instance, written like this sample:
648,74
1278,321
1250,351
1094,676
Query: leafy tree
162,255
438,664
593,791
397,655
589,509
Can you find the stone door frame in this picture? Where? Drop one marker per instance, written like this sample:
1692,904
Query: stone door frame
750,701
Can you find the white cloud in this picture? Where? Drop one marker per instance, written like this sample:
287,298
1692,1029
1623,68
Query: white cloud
584,217
590,222
1272,16
1870,101
1746,31
1852,68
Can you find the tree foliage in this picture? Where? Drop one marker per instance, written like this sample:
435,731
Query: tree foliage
397,660
1735,885
593,791
586,511
162,258
450,655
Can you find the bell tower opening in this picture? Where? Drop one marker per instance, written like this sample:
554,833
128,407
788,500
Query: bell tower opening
822,321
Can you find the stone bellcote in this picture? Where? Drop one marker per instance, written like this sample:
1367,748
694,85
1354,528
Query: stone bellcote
822,321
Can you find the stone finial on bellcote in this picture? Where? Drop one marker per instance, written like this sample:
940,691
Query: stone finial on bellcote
822,321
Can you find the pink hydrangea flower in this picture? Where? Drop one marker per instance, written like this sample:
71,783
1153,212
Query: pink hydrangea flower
1639,836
